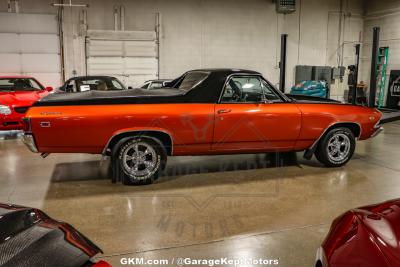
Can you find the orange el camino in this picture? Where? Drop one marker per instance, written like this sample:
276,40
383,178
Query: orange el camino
203,112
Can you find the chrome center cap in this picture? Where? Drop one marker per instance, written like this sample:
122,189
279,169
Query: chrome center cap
141,157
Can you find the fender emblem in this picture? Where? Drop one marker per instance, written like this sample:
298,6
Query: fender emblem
45,124
51,113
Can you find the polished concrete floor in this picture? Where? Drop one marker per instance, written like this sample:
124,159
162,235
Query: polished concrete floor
205,207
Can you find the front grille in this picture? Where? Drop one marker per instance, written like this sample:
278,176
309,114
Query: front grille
21,110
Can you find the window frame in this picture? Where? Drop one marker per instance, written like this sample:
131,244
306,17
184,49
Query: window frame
262,79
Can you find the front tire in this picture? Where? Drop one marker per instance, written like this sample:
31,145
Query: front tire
336,147
140,161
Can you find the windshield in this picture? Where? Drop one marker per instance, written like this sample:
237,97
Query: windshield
190,80
19,84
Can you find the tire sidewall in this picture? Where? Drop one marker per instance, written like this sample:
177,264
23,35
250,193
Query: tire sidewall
131,179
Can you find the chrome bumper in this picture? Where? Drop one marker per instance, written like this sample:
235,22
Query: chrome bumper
378,130
29,141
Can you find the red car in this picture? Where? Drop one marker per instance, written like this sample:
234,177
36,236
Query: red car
28,237
17,94
368,237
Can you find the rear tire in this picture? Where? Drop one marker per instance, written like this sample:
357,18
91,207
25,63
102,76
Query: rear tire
140,160
336,147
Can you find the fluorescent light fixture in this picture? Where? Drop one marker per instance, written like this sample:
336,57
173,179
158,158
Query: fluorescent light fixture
248,86
70,4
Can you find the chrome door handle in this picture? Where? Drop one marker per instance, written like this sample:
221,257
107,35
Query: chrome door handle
222,111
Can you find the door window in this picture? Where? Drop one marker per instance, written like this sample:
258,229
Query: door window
248,89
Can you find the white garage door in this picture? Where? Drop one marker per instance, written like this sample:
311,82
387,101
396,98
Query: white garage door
133,61
30,46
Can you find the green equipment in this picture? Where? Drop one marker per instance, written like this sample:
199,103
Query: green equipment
381,68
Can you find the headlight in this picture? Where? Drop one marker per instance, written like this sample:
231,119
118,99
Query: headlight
5,110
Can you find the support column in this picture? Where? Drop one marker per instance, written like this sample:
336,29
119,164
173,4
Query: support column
374,58
282,63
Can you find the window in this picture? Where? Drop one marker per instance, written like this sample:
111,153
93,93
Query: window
100,84
92,84
19,84
6,84
117,85
248,89
145,86
270,93
34,84
191,80
156,85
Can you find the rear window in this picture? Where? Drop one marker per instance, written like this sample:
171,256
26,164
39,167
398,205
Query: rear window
191,80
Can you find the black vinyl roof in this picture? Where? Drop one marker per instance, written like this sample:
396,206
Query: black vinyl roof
225,71
208,91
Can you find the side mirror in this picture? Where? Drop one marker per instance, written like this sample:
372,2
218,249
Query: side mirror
130,87
49,89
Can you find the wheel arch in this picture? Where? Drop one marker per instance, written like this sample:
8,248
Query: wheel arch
163,136
355,127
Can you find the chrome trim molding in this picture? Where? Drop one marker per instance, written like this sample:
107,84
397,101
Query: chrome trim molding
105,149
29,141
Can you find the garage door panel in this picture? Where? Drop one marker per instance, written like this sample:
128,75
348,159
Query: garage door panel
47,63
105,48
28,23
142,69
134,61
110,72
137,80
105,60
140,49
29,43
9,43
30,46
10,63
102,70
150,72
105,65
39,43
140,62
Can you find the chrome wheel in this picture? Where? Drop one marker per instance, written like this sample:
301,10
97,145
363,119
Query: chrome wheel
338,148
139,159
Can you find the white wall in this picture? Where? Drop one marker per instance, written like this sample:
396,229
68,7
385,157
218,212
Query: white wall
221,33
